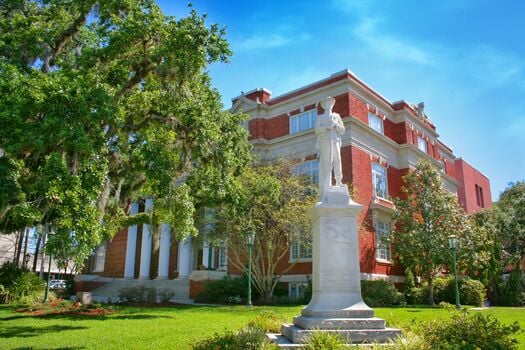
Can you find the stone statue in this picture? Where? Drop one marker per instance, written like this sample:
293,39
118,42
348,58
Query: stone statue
329,129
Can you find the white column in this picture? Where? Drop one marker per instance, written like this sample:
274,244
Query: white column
184,263
131,245
205,252
145,252
164,251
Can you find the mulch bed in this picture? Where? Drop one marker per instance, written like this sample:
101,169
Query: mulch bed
59,307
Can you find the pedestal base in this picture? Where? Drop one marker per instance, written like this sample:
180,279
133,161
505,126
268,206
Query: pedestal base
298,335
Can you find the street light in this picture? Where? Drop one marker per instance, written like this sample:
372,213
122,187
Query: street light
453,244
250,238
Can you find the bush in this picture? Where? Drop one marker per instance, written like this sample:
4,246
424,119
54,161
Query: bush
249,338
471,292
138,294
324,341
380,293
227,290
165,294
511,291
18,285
268,321
470,332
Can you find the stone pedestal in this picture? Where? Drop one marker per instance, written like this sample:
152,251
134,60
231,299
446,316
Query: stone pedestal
337,305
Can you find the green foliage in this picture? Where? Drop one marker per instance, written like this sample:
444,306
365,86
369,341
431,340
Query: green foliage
229,290
380,293
268,321
18,285
165,294
470,332
408,341
511,292
426,216
273,202
323,340
138,294
248,338
471,292
104,102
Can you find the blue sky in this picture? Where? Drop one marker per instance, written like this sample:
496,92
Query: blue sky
464,58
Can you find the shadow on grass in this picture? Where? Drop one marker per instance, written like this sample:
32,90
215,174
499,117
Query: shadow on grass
17,331
59,348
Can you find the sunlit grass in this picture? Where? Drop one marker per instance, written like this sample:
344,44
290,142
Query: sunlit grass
176,327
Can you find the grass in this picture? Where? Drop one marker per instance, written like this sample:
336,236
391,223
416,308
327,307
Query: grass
175,327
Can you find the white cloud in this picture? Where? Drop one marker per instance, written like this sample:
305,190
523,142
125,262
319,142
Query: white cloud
389,46
262,42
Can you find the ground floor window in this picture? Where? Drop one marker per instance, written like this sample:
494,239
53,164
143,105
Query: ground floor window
296,290
100,258
300,251
383,251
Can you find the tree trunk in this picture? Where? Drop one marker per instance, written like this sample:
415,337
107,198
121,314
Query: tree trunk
430,290
19,248
37,250
26,235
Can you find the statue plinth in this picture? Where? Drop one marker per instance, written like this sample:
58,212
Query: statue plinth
337,305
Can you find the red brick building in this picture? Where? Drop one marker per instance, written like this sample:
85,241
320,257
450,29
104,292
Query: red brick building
383,140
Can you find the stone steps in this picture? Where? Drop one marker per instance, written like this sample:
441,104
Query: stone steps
110,291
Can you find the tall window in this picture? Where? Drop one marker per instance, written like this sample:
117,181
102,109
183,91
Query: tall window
379,181
300,251
303,121
479,196
309,168
100,258
223,257
383,251
422,144
375,123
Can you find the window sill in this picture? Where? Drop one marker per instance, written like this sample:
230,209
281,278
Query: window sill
300,260
385,262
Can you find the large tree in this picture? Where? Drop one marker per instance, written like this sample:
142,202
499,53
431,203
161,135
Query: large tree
274,205
425,217
104,102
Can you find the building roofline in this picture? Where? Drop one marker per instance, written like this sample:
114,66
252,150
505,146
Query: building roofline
470,165
250,92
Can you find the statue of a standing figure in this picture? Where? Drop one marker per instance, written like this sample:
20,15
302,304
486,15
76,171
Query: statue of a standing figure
329,129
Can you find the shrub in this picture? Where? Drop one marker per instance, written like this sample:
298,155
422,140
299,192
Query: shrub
249,338
470,332
324,341
380,293
511,291
409,341
18,285
138,294
268,321
471,292
165,294
226,290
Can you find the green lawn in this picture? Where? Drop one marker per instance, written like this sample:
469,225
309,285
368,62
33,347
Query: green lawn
174,328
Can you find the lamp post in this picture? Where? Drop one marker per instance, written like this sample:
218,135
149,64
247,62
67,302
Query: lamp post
453,244
250,238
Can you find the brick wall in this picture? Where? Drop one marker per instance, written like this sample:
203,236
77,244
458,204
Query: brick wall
470,178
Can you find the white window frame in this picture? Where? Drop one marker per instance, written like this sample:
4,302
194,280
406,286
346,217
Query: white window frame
303,121
296,290
300,252
310,169
422,144
379,171
376,123
383,250
100,258
223,258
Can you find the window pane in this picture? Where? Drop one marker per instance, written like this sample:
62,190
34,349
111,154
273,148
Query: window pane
375,122
303,121
422,144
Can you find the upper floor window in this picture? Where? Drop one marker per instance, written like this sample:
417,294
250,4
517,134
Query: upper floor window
310,169
379,181
303,121
375,123
422,144
300,250
383,251
479,196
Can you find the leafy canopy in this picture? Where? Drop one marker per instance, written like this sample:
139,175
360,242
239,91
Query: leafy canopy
104,102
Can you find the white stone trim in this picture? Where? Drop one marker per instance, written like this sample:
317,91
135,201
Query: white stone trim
376,276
